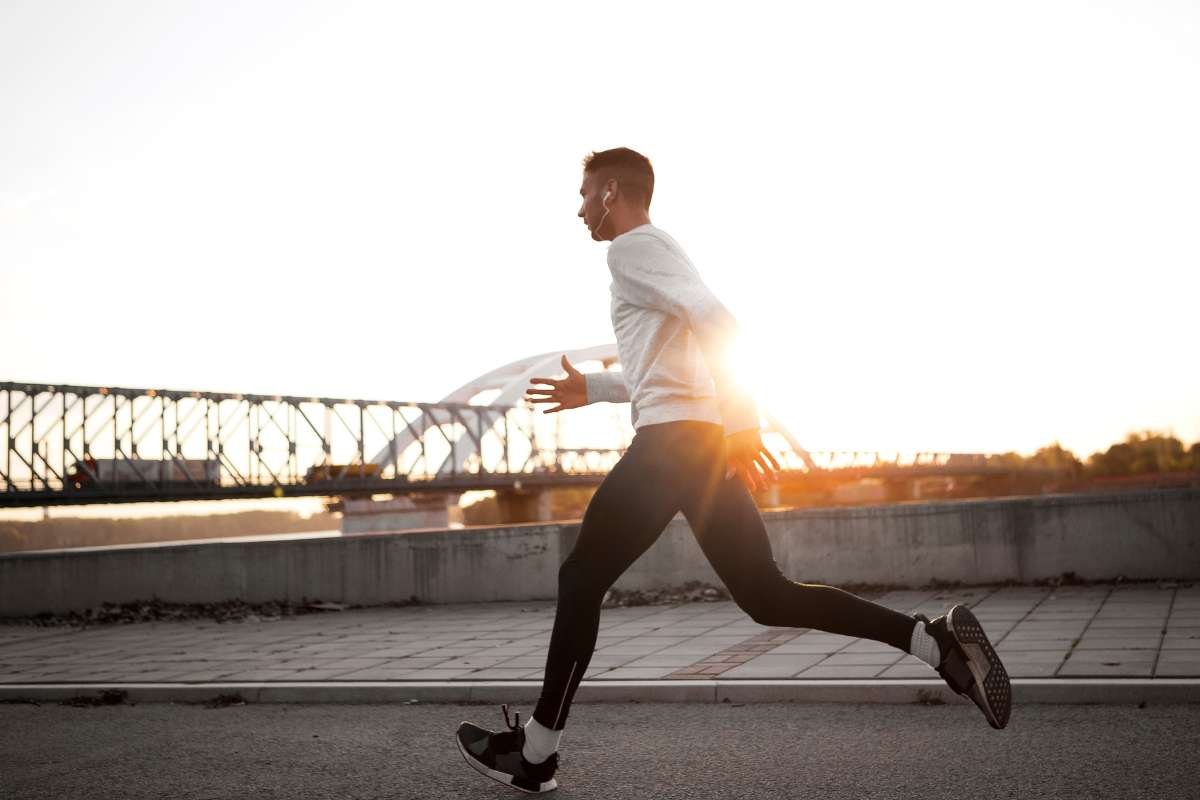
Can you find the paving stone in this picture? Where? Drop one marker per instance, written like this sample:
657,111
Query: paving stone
824,639
372,674
860,671
664,660
700,671
1089,642
199,676
472,662
631,649
1128,622
793,648
795,662
1134,610
496,635
318,674
1097,656
524,661
761,667
1031,669
1125,669
409,662
1171,666
1032,656
635,673
693,651
512,649
418,675
723,640
608,662
264,675
905,669
1176,643
1010,645
1023,634
13,676
861,659
602,639
534,640
355,663
1051,624
863,646
499,674
1123,633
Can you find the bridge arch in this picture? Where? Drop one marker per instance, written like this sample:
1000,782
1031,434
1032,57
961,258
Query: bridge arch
509,382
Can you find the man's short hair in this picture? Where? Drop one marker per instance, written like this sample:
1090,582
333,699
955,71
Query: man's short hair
629,168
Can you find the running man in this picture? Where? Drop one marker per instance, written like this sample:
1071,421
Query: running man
696,449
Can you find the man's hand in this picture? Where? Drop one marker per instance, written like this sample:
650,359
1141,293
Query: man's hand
750,460
568,392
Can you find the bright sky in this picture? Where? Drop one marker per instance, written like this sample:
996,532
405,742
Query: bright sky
942,226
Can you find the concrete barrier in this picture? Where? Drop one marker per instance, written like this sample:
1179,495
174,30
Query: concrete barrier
1144,534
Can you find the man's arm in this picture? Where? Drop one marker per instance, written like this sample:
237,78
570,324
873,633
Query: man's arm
651,275
606,387
577,389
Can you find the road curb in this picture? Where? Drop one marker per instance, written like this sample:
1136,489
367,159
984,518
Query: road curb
1030,690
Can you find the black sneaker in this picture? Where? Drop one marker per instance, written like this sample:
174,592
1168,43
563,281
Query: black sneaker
969,664
498,755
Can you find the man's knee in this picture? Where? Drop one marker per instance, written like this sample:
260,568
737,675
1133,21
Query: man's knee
575,579
759,602
777,601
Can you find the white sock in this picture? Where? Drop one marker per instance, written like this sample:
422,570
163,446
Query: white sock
924,646
540,741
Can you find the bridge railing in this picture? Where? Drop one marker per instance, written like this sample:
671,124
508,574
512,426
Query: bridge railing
96,440
84,444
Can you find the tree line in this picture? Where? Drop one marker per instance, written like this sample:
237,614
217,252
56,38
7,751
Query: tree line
1141,453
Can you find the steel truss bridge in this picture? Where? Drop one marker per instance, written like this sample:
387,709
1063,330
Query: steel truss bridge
67,445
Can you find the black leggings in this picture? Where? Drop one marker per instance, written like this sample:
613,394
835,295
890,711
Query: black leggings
671,467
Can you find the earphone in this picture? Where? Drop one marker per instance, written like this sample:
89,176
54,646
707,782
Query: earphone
604,202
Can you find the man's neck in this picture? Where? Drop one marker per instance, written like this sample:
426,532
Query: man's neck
626,225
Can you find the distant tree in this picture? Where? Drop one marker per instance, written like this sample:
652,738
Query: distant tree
1009,459
1141,453
1056,457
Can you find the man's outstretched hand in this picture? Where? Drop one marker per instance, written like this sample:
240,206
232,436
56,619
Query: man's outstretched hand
568,392
750,460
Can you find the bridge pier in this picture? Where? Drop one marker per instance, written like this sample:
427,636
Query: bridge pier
524,505
408,512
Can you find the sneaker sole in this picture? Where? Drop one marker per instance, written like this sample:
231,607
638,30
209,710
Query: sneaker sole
991,690
501,777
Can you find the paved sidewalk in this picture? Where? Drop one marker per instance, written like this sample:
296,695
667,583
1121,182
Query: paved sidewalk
1116,632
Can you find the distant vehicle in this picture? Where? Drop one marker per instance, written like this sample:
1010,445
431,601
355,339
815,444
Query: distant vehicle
144,472
334,472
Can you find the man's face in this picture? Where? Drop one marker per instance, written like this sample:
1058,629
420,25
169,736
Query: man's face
591,208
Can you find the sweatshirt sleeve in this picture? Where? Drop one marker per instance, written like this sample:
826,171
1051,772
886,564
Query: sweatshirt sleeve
650,274
606,387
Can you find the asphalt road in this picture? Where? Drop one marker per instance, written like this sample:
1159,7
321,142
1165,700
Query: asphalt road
609,751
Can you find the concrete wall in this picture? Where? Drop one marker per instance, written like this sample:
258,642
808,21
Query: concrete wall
1146,534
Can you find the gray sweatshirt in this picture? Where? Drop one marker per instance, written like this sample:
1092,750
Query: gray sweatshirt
673,336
